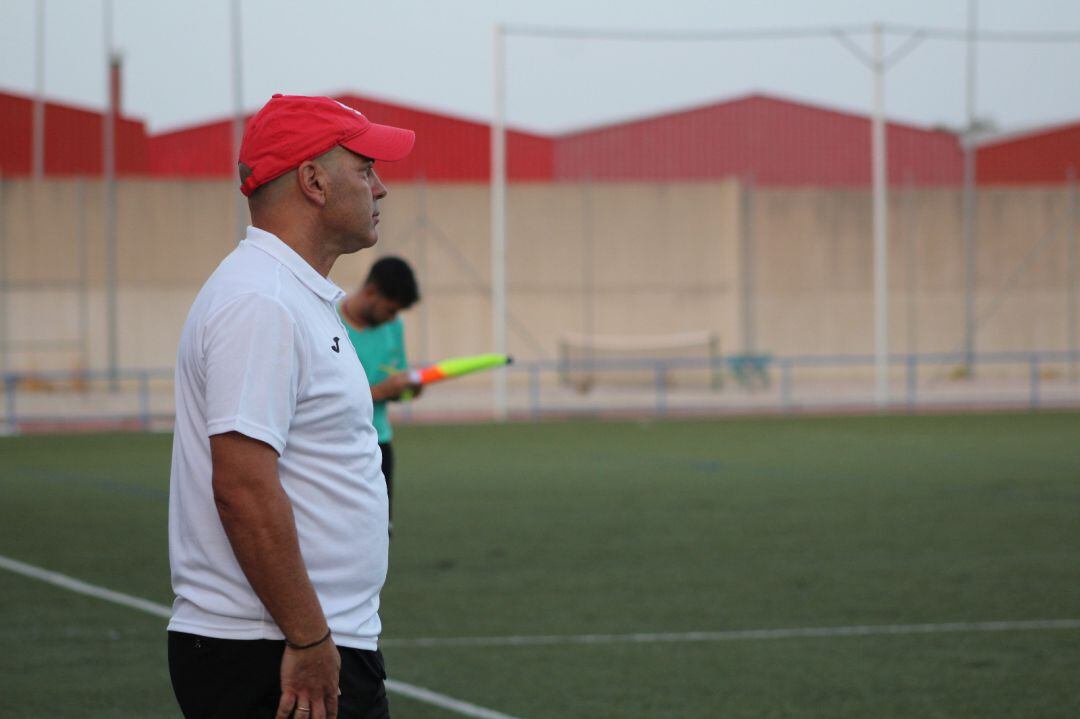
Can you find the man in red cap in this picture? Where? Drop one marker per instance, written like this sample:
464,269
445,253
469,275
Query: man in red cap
277,505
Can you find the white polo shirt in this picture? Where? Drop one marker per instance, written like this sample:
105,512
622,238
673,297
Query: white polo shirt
264,353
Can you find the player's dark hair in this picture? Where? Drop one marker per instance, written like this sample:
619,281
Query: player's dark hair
394,279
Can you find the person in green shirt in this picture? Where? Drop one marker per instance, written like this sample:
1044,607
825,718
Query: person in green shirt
370,315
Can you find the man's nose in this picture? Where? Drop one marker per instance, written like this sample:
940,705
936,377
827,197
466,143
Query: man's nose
379,190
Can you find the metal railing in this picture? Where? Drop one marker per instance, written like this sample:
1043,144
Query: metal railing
142,399
1026,380
131,399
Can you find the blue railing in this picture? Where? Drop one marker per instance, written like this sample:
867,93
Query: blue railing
777,378
142,398
911,363
130,387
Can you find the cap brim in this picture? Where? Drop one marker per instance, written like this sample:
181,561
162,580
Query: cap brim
382,142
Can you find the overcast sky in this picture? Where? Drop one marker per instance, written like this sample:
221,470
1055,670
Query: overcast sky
437,55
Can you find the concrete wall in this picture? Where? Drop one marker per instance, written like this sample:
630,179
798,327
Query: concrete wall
615,258
814,257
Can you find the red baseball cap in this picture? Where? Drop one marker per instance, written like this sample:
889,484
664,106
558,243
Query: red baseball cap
290,129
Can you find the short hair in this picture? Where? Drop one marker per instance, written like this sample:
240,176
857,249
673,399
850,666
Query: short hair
394,280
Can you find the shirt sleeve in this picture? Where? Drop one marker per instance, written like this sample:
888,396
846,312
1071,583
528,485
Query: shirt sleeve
252,357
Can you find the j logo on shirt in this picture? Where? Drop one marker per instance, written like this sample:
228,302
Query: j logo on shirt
335,345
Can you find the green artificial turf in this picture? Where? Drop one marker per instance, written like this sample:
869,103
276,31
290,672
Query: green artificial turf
586,528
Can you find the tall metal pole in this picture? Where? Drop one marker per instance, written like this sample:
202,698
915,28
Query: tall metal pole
84,280
970,266
910,237
38,159
4,296
112,65
240,208
881,276
1070,243
498,224
422,265
747,269
588,274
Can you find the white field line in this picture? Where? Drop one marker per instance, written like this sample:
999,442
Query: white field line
160,610
441,700
80,587
740,634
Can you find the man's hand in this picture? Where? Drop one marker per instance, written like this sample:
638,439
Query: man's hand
395,387
309,680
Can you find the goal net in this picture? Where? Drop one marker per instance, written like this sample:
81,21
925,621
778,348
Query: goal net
685,359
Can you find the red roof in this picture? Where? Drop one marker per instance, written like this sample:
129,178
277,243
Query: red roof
1038,157
777,142
769,140
199,151
73,140
773,141
447,148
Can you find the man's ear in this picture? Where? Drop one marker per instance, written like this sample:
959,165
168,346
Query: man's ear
311,178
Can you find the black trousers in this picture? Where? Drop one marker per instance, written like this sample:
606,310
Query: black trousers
388,473
241,679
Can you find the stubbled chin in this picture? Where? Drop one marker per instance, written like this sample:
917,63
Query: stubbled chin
362,244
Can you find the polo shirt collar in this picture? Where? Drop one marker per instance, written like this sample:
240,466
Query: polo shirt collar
272,245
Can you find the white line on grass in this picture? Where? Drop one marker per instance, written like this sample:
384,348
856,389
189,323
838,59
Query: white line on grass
471,710
739,634
160,610
79,587
441,700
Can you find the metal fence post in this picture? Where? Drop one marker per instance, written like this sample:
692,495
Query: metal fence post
534,391
661,389
912,380
11,423
1034,362
785,384
144,400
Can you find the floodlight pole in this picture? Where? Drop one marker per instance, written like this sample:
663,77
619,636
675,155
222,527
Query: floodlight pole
498,224
588,273
84,279
5,297
881,276
911,272
1071,262
746,269
38,160
112,65
240,202
970,266
879,64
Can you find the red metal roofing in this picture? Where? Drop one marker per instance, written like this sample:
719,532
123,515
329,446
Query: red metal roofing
447,148
776,142
73,140
199,151
772,141
1041,157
